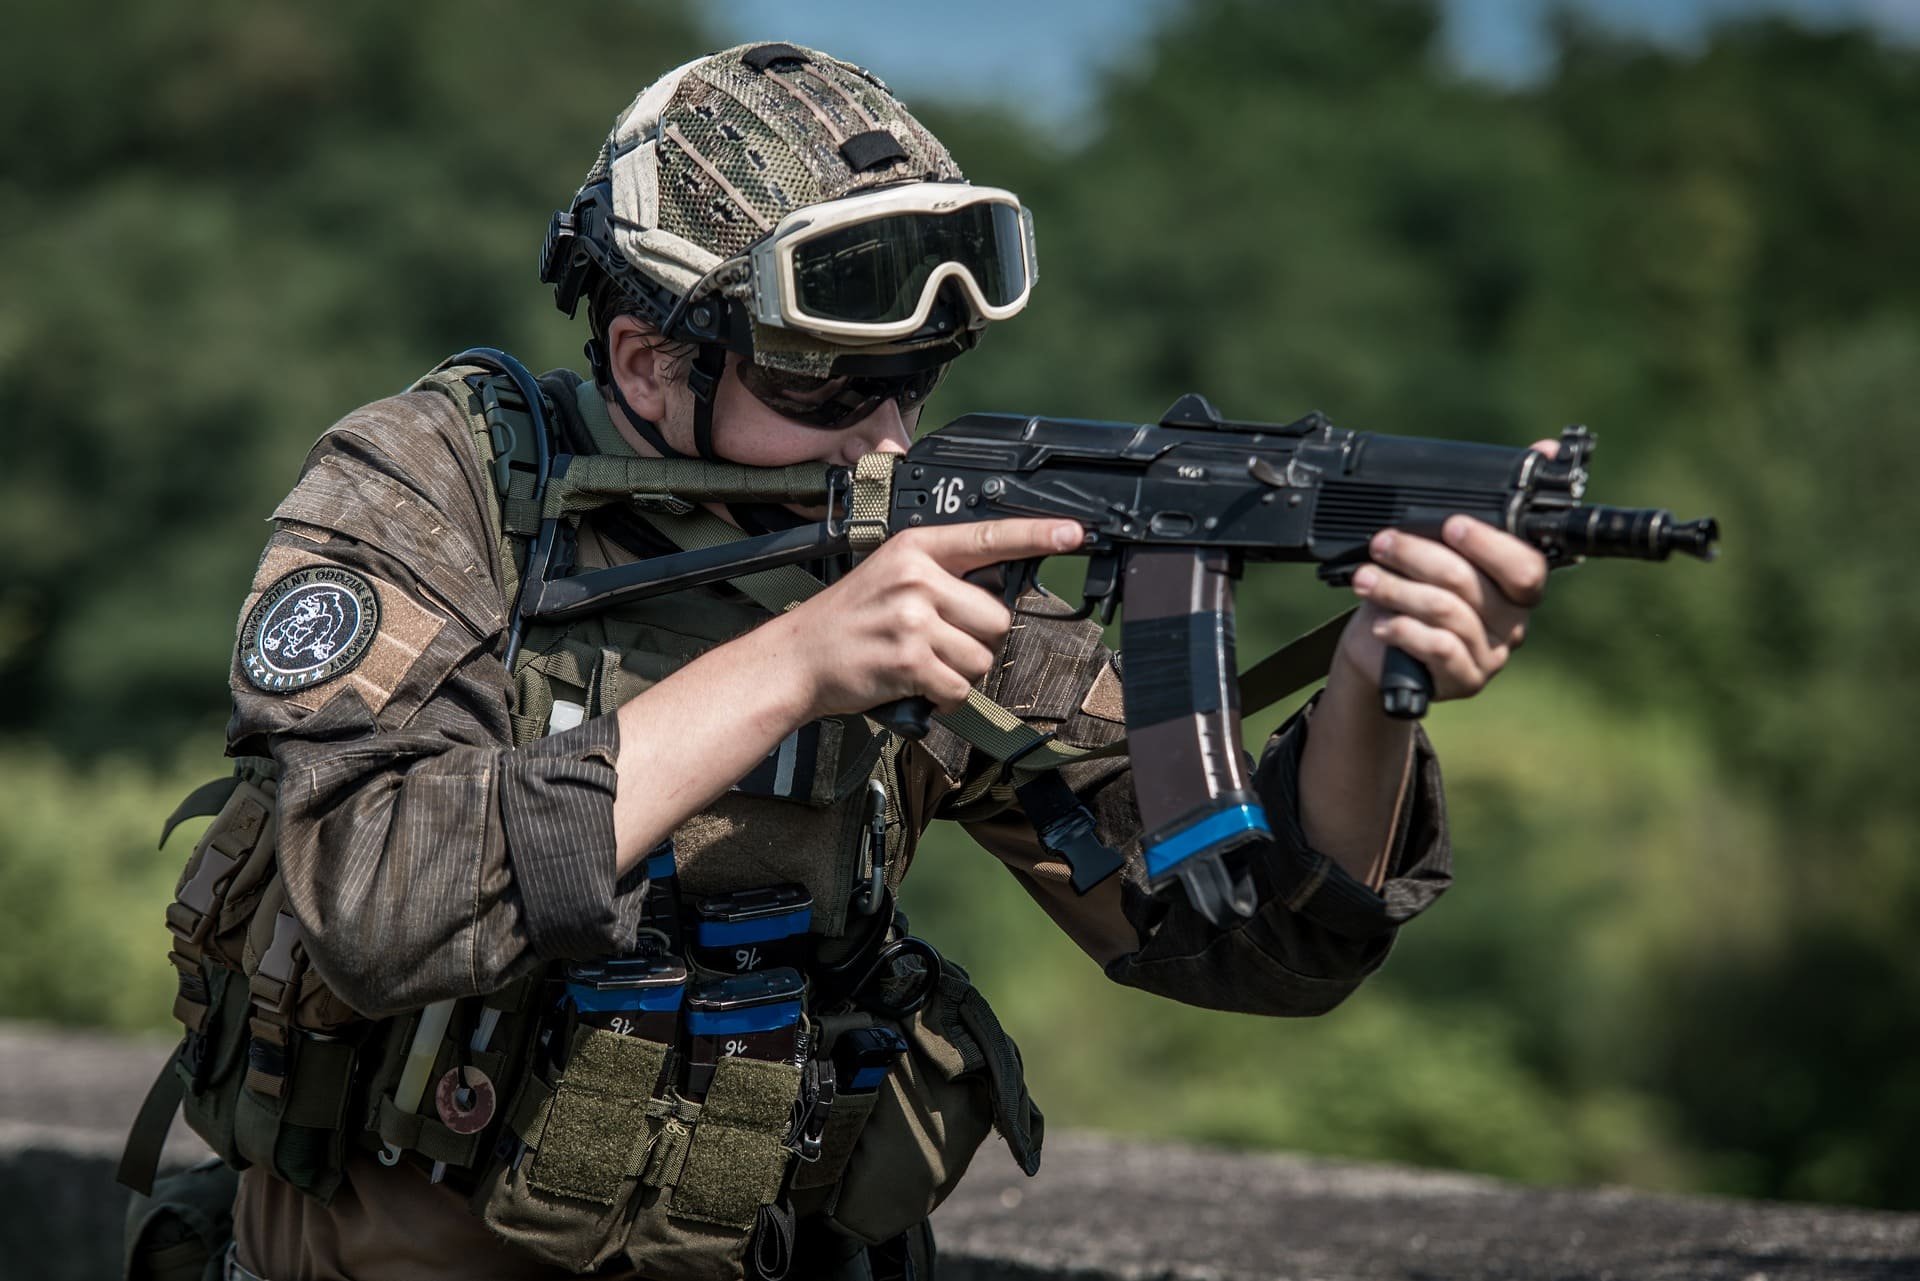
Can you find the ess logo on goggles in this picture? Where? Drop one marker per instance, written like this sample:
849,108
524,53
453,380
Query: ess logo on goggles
867,268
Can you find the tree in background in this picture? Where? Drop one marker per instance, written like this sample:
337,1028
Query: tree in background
1679,952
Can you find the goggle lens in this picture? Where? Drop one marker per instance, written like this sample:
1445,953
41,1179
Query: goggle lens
876,272
838,400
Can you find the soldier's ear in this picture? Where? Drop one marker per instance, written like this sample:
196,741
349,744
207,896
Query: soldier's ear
642,365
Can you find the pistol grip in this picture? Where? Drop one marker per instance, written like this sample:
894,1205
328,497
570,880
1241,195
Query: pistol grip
1406,686
911,718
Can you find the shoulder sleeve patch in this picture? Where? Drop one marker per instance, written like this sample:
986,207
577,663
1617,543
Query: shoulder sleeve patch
312,624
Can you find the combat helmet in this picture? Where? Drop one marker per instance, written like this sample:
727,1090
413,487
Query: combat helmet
776,202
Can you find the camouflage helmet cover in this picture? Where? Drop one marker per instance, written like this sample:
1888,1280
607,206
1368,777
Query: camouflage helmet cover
711,156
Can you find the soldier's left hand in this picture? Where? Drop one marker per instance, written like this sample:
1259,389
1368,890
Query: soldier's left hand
1460,605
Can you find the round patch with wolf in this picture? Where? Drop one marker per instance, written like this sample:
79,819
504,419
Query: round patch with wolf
311,626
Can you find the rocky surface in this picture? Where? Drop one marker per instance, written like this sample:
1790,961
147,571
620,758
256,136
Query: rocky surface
1122,1210
1102,1209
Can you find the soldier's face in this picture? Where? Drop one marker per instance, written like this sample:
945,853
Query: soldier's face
744,429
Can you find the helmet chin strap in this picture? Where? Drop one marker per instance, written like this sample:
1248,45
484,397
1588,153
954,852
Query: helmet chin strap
703,379
709,365
603,375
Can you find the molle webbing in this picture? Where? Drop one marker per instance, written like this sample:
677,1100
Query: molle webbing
1005,737
503,440
488,1034
243,825
599,673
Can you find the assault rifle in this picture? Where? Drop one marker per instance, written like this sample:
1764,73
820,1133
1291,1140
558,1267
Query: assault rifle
1173,511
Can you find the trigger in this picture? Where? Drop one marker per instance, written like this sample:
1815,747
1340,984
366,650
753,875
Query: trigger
1021,577
1102,589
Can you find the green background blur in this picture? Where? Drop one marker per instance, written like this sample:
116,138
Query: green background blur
1681,954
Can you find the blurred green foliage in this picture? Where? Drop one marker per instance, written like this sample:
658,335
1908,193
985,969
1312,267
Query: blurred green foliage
1680,955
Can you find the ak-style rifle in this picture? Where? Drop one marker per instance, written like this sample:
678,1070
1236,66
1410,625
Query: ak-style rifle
1173,511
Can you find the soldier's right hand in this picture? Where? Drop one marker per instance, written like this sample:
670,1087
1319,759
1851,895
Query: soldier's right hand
904,622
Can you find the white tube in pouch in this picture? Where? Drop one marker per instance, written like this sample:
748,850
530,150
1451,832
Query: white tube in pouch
420,1055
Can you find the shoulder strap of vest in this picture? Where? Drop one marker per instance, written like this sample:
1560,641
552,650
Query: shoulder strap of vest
507,413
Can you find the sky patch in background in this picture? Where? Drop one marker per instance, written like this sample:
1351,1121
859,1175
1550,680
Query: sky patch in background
1045,58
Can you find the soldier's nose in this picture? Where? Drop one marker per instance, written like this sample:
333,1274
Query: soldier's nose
883,431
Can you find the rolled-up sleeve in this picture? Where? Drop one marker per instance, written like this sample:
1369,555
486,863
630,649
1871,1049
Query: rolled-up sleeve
556,804
1316,932
424,856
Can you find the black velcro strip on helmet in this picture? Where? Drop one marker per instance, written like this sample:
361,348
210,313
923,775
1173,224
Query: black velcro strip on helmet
762,56
872,149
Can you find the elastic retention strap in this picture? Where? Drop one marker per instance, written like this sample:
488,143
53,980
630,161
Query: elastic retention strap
872,498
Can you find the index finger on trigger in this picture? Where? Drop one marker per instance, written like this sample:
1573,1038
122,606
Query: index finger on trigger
959,548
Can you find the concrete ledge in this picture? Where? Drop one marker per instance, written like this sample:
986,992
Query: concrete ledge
1103,1209
1122,1210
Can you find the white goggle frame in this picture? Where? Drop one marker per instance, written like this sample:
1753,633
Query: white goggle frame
775,298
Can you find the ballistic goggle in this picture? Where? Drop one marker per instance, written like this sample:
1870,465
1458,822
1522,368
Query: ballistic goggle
868,268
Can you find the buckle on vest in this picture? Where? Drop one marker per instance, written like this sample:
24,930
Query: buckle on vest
1066,829
502,437
276,982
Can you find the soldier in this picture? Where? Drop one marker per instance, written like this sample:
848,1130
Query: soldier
530,948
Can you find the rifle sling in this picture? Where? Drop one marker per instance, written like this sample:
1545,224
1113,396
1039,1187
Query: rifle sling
140,1160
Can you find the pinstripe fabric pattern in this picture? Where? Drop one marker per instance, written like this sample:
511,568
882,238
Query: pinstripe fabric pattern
427,859
424,856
